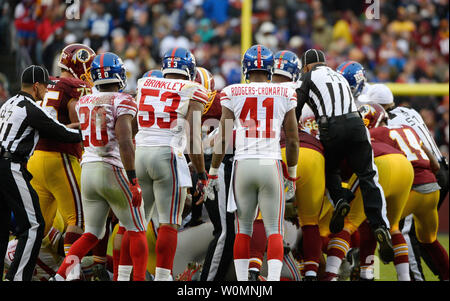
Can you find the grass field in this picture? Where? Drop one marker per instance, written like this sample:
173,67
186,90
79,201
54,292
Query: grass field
387,271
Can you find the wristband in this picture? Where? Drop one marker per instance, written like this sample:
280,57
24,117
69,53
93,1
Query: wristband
213,171
131,174
292,171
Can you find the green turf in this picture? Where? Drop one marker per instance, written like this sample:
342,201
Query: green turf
387,271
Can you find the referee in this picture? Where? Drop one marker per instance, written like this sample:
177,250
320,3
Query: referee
344,136
22,122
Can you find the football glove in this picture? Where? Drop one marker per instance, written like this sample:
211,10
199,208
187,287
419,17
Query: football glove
213,183
135,189
202,182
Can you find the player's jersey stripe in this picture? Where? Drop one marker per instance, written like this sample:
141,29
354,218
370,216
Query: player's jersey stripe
281,209
134,213
73,188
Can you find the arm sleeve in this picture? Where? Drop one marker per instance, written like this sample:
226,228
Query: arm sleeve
292,101
225,100
200,95
126,106
302,94
49,127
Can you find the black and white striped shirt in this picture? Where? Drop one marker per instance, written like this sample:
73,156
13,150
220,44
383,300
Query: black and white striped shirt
326,92
22,121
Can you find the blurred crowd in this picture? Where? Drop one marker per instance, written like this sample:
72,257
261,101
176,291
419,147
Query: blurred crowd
407,42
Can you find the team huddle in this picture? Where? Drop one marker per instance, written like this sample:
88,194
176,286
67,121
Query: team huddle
150,163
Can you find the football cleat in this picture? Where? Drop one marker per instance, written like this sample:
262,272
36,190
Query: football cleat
337,219
386,251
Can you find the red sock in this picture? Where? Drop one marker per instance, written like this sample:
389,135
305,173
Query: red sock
139,254
100,250
312,246
325,241
367,244
69,240
258,244
400,248
355,240
166,246
339,244
241,249
116,256
125,257
78,250
275,249
439,257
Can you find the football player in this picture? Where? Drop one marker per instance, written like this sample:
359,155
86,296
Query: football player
396,178
259,109
55,166
355,74
108,176
311,169
424,196
381,94
168,108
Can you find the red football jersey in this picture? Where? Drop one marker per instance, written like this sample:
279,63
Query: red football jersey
381,149
55,102
306,140
405,139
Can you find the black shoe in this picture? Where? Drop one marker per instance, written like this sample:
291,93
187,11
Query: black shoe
386,250
253,275
353,259
340,212
364,279
310,278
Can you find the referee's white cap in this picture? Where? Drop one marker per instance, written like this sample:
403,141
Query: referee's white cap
377,93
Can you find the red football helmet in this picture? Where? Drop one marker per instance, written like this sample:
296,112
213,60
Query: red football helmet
77,59
206,79
373,114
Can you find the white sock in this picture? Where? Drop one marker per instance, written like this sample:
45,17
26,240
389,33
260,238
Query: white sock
162,274
403,271
311,273
333,264
274,269
124,273
367,272
241,268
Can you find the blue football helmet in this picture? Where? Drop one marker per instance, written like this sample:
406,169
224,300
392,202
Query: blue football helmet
355,74
287,63
258,58
153,73
108,68
180,61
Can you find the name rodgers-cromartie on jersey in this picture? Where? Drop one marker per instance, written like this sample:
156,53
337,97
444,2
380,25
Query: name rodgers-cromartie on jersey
266,90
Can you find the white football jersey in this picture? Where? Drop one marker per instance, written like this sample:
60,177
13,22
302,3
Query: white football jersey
408,116
163,105
259,110
98,114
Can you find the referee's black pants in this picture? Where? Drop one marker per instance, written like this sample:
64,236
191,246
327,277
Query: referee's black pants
17,195
219,257
346,138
